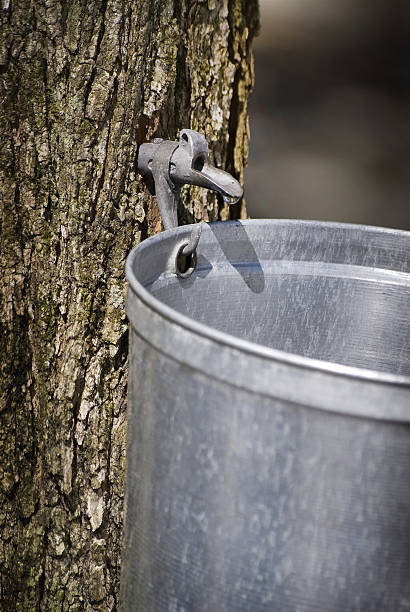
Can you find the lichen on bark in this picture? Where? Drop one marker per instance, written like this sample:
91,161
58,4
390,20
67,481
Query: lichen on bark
83,84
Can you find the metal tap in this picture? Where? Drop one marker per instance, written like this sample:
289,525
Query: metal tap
167,165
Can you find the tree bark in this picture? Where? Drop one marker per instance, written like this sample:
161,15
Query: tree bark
83,84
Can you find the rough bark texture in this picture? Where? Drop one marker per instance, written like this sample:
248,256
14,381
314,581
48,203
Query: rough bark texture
82,84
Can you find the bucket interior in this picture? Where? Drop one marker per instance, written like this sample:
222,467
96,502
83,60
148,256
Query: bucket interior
331,292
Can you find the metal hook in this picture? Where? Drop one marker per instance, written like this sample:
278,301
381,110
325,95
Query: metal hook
193,240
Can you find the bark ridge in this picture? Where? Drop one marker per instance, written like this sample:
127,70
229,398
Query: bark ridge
82,85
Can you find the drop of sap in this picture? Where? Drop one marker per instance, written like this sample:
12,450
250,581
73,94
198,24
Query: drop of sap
230,199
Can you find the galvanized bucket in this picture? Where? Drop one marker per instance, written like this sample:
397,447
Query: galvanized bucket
268,458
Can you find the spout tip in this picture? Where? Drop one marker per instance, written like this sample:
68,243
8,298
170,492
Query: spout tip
223,183
232,193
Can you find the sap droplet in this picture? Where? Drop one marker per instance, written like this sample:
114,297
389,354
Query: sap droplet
230,199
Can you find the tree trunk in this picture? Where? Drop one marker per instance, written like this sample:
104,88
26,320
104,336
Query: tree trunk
83,84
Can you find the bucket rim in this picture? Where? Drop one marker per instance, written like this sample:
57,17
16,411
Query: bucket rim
259,350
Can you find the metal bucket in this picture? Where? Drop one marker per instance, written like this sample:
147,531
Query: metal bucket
268,458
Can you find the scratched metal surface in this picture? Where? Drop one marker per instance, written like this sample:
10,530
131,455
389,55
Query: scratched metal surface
268,457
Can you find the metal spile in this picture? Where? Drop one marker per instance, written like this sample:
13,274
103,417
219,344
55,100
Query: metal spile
168,165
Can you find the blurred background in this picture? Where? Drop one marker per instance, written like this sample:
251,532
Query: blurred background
330,113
